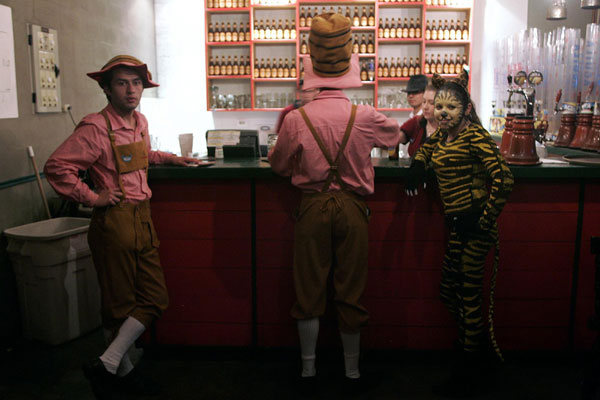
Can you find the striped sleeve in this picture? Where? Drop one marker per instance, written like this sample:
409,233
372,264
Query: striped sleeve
485,149
426,150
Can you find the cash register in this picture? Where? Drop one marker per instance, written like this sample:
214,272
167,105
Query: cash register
222,143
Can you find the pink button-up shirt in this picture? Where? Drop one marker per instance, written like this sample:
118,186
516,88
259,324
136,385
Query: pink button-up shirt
89,148
297,154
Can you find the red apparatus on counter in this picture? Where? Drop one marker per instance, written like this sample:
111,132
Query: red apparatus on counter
582,131
593,141
566,132
507,135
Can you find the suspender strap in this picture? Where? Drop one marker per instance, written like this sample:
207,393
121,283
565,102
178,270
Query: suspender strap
111,136
333,164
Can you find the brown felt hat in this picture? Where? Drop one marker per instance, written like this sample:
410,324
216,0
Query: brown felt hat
330,42
128,62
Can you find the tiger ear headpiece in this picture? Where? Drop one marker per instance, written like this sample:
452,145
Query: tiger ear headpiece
462,79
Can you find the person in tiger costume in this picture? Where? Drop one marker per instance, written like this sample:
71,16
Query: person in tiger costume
464,156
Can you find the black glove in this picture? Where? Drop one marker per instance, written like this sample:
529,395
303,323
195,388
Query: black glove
416,177
465,224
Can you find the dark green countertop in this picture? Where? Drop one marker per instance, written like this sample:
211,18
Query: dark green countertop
384,168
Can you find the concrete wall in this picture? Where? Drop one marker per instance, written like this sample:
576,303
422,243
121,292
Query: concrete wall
90,32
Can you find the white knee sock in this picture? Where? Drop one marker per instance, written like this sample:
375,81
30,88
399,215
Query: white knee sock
351,343
308,330
126,365
128,333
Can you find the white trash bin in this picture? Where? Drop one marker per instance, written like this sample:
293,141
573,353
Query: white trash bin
59,296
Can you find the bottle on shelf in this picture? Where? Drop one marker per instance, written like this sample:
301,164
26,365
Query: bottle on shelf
411,67
235,66
348,15
363,72
356,17
464,61
302,19
303,47
293,70
411,28
445,66
439,67
428,30
405,28
458,65
434,30
280,68
364,19
340,11
452,30
363,44
309,18
451,65
446,30
380,28
417,66
465,30
379,68
371,17
210,36
426,65
261,69
247,31
393,69
209,4
229,66
227,3
404,68
221,3
371,70
211,66
274,69
370,46
234,33
355,45
286,68
386,29
386,68
418,28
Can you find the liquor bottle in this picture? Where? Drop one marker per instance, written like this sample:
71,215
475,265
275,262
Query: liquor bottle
221,3
446,30
439,67
222,34
380,29
411,67
279,33
404,68
303,47
280,69
242,33
411,28
247,69
371,17
256,68
451,65
247,31
418,28
262,69
292,30
309,17
269,69
379,68
428,30
269,30
355,45
209,4
293,70
347,15
386,29
261,30
274,68
405,28
417,66
234,4
363,72
458,32
211,66
364,19
445,66
256,30
452,30
228,33
286,68
434,31
458,65
286,29
363,44
356,17
370,46
227,3
386,68
302,19
234,33
393,68
235,67
465,31
229,66
394,29
426,65
210,37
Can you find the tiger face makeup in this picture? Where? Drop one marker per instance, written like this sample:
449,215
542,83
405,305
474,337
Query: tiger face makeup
449,111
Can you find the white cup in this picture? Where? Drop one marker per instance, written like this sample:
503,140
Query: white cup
186,143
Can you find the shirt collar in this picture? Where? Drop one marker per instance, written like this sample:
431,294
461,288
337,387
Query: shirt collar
118,123
331,94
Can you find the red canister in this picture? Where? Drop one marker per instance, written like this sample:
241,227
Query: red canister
566,130
507,134
522,145
593,139
584,127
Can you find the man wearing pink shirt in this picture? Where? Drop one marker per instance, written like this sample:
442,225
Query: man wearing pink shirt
114,146
325,147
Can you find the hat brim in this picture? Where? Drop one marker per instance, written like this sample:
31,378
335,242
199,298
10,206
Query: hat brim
142,70
351,79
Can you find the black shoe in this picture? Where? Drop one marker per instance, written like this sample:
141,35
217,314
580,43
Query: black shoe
306,386
360,386
137,384
102,381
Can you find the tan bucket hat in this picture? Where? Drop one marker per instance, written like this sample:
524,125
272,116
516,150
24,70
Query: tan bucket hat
129,62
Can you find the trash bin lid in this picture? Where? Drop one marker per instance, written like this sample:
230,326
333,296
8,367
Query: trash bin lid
49,229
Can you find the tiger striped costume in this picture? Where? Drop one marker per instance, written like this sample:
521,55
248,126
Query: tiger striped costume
462,167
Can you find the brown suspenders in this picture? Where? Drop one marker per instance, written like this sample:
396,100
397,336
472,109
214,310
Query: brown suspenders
333,164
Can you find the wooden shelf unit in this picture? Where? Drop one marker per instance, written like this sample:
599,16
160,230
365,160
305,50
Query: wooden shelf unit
398,9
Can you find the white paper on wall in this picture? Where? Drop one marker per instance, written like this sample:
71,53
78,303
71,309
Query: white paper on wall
8,79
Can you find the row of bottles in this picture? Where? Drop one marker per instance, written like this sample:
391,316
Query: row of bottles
398,29
228,32
235,66
362,18
398,69
274,68
435,30
448,66
399,1
272,30
364,45
227,3
452,3
273,2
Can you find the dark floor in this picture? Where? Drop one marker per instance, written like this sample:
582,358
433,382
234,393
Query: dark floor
37,371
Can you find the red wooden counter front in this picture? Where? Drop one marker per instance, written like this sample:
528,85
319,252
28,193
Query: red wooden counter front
215,234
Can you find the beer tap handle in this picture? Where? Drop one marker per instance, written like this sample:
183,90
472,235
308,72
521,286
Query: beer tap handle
578,102
557,101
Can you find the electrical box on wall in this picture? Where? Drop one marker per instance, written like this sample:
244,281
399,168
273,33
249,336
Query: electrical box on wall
45,71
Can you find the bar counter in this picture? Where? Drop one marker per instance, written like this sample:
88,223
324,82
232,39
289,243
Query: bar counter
226,236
